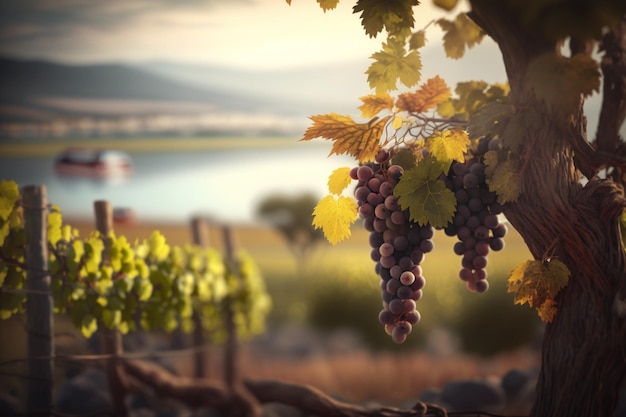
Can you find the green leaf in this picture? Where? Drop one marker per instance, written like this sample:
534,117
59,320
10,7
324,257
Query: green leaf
393,64
488,118
158,247
422,192
9,195
561,81
505,181
89,325
525,121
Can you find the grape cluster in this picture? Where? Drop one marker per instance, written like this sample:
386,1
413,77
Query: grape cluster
475,223
398,244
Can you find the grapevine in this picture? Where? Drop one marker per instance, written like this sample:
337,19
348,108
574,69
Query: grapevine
147,284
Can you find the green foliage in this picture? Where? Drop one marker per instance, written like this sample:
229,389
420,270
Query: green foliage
459,34
425,195
107,281
396,17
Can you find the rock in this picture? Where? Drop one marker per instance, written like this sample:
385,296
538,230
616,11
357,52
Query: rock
514,381
86,393
474,395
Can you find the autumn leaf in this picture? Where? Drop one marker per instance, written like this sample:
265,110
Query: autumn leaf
428,96
334,215
361,140
339,180
459,34
537,283
328,4
375,103
422,192
449,145
393,64
561,81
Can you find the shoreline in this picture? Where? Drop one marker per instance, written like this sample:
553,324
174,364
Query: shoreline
146,144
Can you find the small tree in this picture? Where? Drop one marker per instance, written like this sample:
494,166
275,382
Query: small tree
291,217
561,190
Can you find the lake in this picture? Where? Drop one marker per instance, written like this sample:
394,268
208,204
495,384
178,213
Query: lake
226,183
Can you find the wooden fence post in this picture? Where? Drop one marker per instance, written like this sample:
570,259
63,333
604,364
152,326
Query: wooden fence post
200,238
39,303
231,347
111,339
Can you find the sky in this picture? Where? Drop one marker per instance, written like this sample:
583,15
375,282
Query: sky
261,34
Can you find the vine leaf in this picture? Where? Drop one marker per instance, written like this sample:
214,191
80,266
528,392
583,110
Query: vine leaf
560,81
417,40
361,140
375,103
334,214
392,64
326,4
422,192
339,180
459,34
394,16
503,178
488,117
449,145
433,92
537,283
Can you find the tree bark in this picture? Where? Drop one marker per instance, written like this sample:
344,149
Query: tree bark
584,348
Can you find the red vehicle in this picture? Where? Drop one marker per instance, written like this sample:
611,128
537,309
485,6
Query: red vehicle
97,163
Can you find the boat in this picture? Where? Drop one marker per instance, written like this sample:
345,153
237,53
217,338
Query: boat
95,163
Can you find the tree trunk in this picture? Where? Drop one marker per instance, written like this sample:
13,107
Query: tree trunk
584,348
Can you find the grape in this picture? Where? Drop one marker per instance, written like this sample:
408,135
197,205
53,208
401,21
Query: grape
475,223
398,244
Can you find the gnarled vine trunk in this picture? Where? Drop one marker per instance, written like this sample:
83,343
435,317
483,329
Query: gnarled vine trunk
584,348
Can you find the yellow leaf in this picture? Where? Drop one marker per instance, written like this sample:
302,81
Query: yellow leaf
547,311
374,103
339,180
429,95
445,4
334,215
326,4
450,145
361,140
537,283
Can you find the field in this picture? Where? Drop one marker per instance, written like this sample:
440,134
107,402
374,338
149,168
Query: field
338,363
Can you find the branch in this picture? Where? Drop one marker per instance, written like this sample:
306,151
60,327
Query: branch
310,399
194,392
245,400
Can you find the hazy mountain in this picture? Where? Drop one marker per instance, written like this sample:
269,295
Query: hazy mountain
34,88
